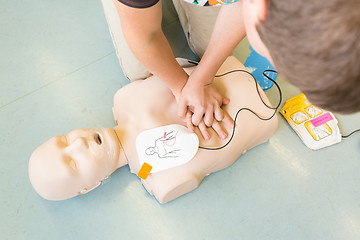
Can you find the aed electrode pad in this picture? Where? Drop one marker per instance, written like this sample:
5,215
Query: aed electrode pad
165,147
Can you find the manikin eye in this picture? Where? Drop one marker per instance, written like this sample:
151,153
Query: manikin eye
98,138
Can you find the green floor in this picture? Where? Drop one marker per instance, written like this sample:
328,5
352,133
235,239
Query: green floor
59,71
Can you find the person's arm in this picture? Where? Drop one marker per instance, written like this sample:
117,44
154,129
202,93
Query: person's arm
143,33
199,94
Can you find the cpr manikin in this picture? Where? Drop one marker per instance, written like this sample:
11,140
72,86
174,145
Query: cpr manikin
75,163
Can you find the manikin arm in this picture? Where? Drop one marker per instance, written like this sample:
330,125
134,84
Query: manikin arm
143,33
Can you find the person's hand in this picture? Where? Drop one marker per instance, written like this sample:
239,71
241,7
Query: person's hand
200,105
216,126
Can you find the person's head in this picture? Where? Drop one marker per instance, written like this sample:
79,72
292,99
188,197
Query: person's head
313,44
73,164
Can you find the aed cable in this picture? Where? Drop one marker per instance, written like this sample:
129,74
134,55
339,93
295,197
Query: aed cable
346,136
248,109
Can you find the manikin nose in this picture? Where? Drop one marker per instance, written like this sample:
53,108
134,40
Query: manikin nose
78,145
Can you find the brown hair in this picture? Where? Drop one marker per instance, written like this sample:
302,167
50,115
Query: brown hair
315,45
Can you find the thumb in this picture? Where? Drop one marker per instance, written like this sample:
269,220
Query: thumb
182,109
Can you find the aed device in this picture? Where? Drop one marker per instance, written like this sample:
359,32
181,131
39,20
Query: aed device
316,127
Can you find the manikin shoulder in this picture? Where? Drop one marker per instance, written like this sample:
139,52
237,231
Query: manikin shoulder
127,90
141,90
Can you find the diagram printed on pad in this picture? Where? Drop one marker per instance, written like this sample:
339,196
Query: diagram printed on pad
166,147
163,146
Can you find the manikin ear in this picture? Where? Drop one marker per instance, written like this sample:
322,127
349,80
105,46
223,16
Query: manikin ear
86,190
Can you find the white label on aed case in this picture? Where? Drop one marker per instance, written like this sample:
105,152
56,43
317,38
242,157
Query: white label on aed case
166,147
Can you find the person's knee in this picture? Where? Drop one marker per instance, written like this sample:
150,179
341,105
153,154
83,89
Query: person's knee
198,24
134,72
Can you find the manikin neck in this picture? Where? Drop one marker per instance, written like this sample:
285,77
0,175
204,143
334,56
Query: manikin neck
123,160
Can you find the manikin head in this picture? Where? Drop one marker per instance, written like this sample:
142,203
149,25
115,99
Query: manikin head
72,164
313,44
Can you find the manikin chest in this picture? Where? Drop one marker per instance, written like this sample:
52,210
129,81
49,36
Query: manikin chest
166,147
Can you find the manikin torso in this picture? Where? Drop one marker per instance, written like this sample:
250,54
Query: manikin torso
151,111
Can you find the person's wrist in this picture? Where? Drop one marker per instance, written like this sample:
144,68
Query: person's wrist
177,89
200,78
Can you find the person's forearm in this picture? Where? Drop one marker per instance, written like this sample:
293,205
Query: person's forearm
156,55
228,31
143,33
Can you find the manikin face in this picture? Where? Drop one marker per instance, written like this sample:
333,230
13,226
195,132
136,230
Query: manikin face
73,164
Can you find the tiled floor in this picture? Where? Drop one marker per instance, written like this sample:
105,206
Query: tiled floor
59,71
